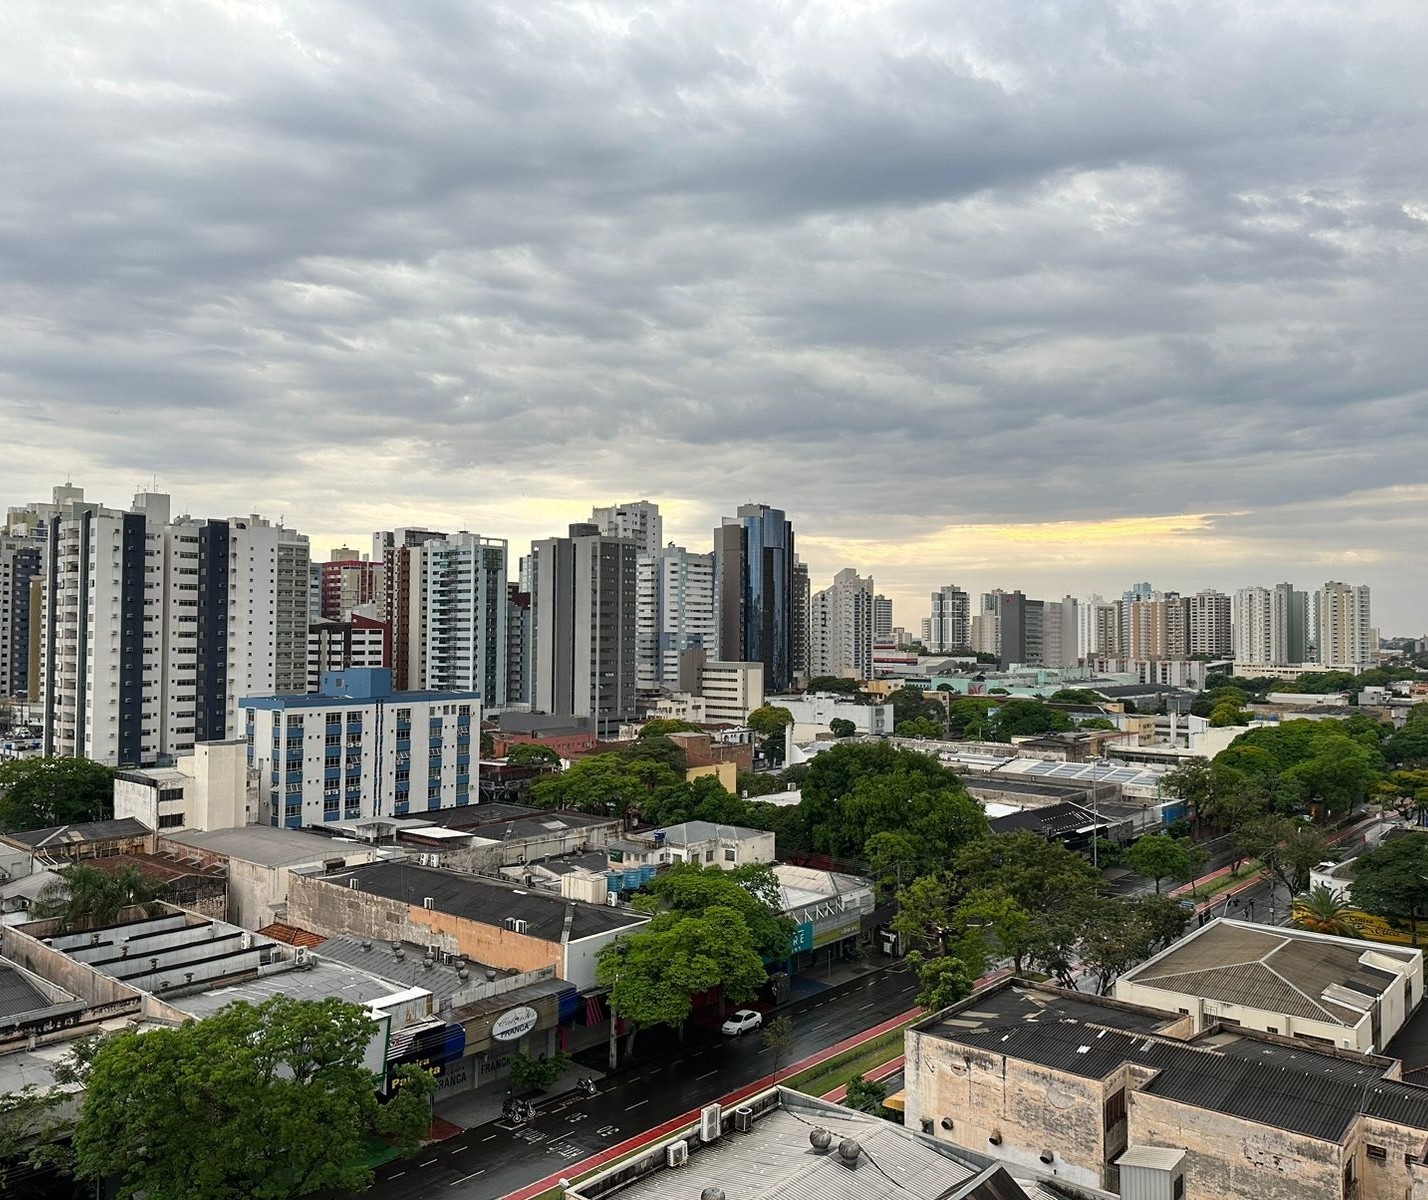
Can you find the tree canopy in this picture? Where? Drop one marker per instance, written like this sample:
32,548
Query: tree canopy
85,896
38,793
888,803
751,890
1392,881
267,1101
529,754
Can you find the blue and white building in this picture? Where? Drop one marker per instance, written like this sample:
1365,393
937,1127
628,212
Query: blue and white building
358,749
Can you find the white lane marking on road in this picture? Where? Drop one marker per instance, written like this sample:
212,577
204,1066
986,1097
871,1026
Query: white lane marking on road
492,1138
825,1025
460,1149
464,1178
636,1104
867,1006
398,1175
427,1163
706,1075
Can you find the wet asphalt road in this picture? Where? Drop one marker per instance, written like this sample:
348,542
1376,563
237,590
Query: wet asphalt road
488,1161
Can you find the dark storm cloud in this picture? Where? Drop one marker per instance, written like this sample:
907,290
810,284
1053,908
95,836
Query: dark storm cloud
898,267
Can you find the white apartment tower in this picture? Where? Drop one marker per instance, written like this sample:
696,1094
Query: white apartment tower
841,620
459,641
882,619
155,627
1347,640
674,612
638,521
1271,625
950,625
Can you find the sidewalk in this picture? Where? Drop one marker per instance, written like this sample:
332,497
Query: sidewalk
477,1108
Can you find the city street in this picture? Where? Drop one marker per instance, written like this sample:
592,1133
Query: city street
491,1160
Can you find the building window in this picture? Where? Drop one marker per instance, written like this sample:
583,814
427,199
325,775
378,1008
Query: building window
1377,1153
731,856
171,821
709,856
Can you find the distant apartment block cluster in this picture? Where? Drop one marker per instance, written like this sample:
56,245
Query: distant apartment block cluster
1256,627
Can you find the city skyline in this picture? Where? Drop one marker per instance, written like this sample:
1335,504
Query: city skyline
1050,300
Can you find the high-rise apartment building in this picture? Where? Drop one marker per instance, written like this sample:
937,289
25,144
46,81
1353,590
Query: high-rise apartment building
674,612
348,579
986,624
1271,625
155,626
21,563
459,643
1022,629
950,625
1095,617
1210,625
582,590
841,626
638,521
754,592
1060,633
403,607
1155,626
882,619
1347,640
798,607
518,645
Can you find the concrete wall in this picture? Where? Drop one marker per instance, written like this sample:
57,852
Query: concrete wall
1030,1109
1229,1158
76,978
1207,1012
1392,1176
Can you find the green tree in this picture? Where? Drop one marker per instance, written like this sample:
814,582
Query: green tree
278,1091
1320,910
529,754
970,719
84,897
1159,856
488,746
1392,881
835,685
909,703
942,981
841,727
924,911
38,793
1026,718
1120,932
1001,922
920,727
32,1132
769,722
751,890
1289,847
865,1095
663,726
855,791
778,1039
1192,782
605,783
538,1071
654,974
1040,876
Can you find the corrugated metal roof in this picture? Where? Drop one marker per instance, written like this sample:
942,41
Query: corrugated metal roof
1162,1158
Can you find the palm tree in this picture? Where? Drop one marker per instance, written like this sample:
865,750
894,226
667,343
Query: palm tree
1321,911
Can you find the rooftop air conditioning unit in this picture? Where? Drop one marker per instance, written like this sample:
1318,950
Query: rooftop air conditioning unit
676,1154
743,1118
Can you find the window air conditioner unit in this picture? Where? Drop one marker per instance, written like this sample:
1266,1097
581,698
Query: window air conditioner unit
676,1154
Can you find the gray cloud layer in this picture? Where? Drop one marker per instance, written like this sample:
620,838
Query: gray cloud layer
894,266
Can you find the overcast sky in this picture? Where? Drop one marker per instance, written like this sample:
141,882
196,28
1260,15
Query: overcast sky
1051,294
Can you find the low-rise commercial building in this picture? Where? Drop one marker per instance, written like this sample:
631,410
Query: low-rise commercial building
64,845
1099,1091
259,862
1329,991
509,927
814,714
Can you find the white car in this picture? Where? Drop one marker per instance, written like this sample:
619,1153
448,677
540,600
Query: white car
742,1021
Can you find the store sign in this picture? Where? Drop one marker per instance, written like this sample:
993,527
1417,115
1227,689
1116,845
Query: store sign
803,936
515,1023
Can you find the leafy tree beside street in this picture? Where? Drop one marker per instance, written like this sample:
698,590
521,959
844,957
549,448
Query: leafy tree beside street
528,754
1159,856
1321,911
266,1101
1392,882
39,793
